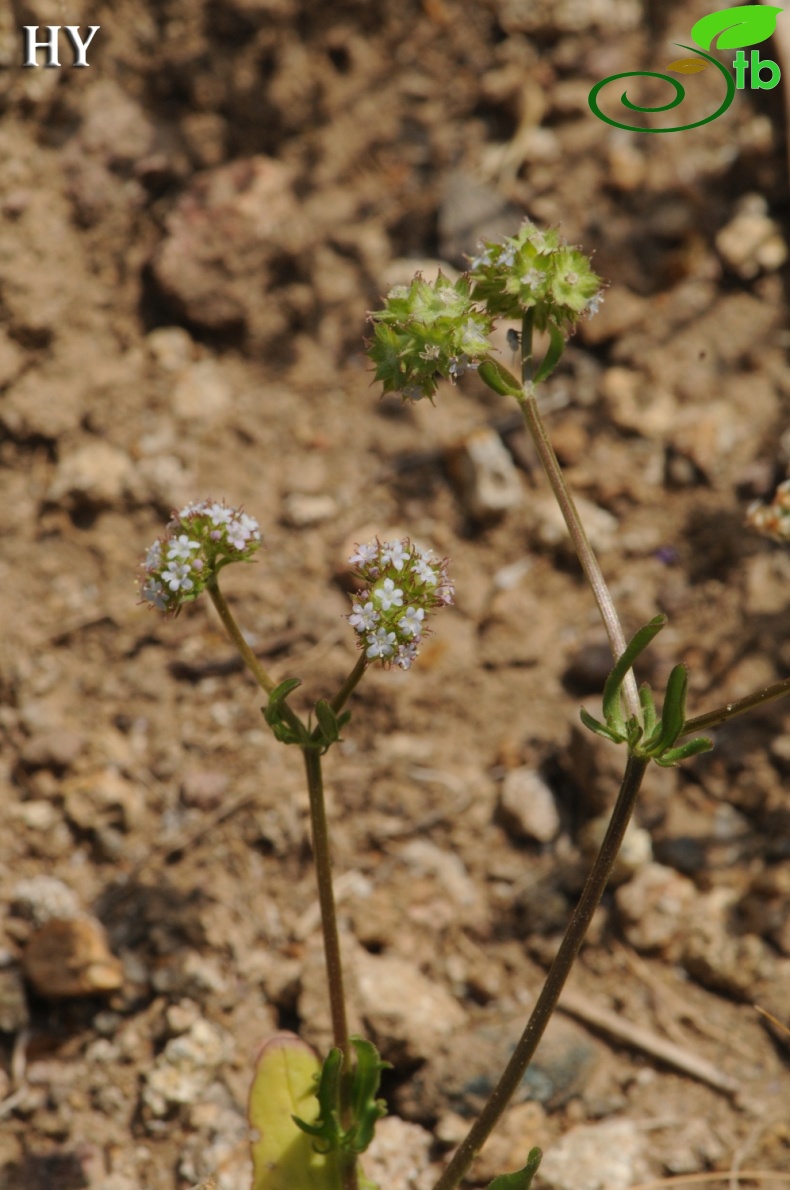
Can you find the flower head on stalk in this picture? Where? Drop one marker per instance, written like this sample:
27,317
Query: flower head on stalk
772,519
426,331
536,270
404,584
199,540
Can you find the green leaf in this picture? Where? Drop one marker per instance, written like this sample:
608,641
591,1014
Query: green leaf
366,1110
499,378
281,692
327,721
613,712
673,713
745,24
648,709
553,354
599,728
284,1085
327,1126
673,756
522,1180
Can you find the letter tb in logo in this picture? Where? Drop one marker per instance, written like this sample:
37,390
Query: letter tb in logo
730,29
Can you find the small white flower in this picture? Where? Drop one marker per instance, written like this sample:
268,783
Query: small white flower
594,304
532,278
153,592
176,577
181,548
153,558
413,392
411,621
380,643
364,554
364,617
237,537
394,554
249,525
220,515
388,595
424,571
406,654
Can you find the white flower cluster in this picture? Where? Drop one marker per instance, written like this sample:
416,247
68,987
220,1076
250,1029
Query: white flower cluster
772,519
200,540
404,584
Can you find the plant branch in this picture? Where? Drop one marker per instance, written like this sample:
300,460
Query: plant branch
584,551
234,632
555,980
731,709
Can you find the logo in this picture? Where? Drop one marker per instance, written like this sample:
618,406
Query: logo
731,29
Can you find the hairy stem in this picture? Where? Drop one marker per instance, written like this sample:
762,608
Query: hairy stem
584,551
555,980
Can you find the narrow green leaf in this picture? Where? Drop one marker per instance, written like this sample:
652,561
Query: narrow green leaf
553,353
673,712
612,710
673,756
499,378
745,24
599,729
327,721
366,1110
281,692
522,1180
648,705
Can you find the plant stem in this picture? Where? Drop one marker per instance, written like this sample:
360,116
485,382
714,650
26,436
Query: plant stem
584,551
731,709
323,869
234,632
329,930
248,657
555,980
350,684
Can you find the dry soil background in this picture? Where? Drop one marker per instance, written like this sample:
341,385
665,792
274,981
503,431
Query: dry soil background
191,231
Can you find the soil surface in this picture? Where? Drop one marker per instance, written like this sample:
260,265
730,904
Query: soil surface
191,232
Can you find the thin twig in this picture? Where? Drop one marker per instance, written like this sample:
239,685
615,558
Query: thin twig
638,1037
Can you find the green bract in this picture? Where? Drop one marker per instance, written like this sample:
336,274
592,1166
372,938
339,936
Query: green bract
535,270
428,330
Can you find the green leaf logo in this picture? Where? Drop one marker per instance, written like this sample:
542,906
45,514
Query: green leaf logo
746,24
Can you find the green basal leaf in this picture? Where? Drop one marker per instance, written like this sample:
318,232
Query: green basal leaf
522,1180
599,729
745,24
553,354
284,1085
